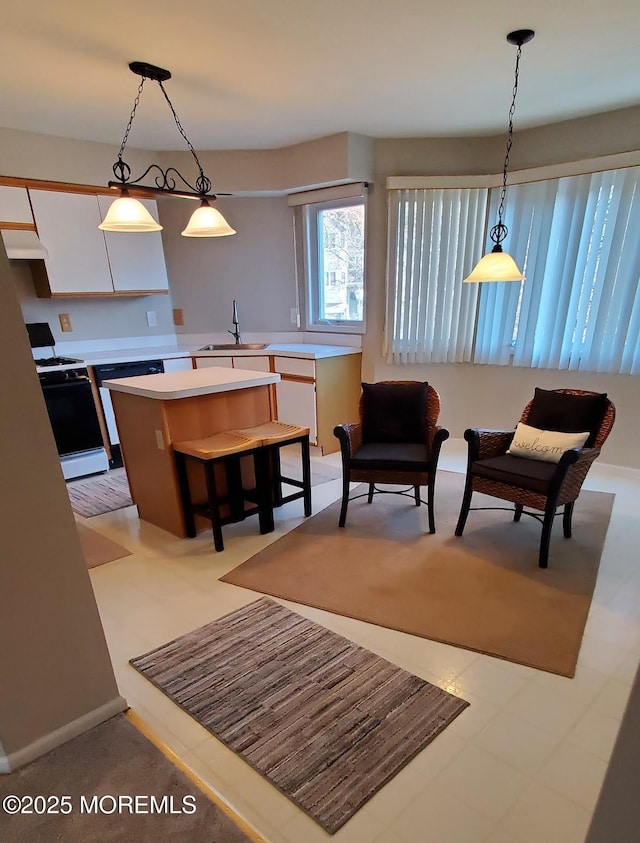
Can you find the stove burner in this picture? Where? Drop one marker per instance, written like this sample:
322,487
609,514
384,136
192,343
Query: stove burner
56,361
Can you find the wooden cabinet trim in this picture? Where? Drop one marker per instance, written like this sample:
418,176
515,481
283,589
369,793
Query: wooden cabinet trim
297,378
65,187
17,226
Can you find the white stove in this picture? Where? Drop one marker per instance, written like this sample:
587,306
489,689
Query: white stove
68,396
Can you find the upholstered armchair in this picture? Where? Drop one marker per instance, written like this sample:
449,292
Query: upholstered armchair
530,467
397,441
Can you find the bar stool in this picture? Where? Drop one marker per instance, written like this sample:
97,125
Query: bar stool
274,436
226,448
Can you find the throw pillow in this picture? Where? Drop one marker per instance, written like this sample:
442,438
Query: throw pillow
394,412
546,445
568,413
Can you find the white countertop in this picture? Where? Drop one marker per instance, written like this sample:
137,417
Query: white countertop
125,355
302,350
188,384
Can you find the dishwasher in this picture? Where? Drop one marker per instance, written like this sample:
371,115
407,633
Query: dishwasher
114,371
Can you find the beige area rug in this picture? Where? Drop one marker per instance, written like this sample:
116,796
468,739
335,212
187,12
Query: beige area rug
483,591
324,720
98,495
320,471
99,549
106,765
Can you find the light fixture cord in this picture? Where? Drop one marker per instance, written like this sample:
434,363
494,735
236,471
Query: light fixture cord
203,184
499,231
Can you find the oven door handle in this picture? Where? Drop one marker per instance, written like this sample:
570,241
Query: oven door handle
66,384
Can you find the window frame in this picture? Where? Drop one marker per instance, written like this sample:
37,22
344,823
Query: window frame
313,282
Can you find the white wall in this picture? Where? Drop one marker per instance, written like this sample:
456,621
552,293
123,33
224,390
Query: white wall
55,669
255,266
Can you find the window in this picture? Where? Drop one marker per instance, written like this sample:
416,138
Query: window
334,241
577,239
435,239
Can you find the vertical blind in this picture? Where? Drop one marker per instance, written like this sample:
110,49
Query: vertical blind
578,241
435,238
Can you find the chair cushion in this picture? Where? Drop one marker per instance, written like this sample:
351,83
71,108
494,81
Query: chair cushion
533,475
391,456
567,413
394,412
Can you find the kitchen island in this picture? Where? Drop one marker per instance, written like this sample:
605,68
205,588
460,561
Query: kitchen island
154,411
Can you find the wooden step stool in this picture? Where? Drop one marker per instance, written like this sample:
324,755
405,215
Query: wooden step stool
226,448
274,436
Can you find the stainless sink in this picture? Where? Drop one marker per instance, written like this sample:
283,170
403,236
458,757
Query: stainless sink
232,346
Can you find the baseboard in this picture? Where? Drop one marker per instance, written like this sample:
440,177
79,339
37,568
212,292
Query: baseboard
14,760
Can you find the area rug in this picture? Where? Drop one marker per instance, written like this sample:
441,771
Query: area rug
99,495
104,766
320,472
483,591
324,720
99,549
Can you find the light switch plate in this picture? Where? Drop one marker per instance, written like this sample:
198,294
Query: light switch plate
152,319
65,322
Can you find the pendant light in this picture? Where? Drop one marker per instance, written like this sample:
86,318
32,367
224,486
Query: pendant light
129,214
498,265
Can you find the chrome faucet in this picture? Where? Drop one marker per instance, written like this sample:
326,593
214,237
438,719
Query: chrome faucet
236,332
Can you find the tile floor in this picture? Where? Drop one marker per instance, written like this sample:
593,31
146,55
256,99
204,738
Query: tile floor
523,764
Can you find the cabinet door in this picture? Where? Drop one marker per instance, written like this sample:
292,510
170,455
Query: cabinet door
136,258
68,224
297,405
177,364
208,362
253,364
14,205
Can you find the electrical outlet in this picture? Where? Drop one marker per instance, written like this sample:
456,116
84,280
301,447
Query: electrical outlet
65,322
178,316
293,315
152,319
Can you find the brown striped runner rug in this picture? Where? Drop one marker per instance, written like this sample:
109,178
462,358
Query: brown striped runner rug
98,495
324,720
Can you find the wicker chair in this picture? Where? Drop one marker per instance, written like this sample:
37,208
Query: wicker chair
412,459
542,486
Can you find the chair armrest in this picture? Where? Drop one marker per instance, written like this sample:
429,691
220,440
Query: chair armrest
485,443
435,437
350,438
571,472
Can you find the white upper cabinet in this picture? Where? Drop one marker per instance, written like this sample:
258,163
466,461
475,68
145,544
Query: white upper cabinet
136,258
84,260
68,225
14,205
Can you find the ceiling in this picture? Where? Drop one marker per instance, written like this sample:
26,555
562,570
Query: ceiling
251,74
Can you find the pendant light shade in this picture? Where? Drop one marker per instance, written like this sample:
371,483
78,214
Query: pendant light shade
207,222
127,214
498,265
